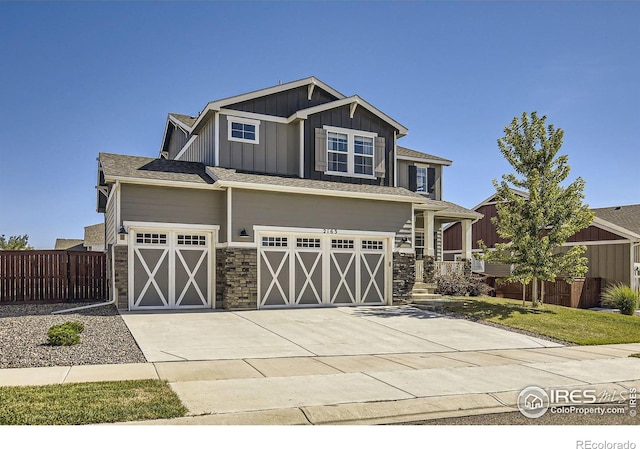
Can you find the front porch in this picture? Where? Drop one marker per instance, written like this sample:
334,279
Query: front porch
428,222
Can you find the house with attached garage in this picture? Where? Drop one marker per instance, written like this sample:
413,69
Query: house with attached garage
291,196
612,241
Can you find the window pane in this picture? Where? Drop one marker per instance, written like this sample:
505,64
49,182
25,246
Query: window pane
338,162
363,165
421,179
250,135
337,142
363,145
236,126
237,134
250,128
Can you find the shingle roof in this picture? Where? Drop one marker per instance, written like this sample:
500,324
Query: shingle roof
402,151
186,119
455,210
94,235
230,175
627,217
69,244
119,165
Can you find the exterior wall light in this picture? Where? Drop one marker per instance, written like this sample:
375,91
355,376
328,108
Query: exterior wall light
244,233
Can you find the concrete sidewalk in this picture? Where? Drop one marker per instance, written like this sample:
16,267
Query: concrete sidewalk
361,388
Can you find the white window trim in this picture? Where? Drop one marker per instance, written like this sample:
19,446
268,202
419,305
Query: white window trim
426,178
244,121
351,133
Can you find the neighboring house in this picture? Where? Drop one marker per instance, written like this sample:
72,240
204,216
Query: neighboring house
612,241
94,237
70,244
93,240
290,196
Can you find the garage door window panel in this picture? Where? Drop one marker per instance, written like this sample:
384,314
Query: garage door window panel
151,285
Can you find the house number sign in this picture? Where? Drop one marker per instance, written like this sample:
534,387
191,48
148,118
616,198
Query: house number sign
330,231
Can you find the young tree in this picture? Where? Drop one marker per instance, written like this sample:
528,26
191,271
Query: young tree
536,225
15,242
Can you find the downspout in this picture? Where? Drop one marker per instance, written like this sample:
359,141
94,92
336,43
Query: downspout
113,291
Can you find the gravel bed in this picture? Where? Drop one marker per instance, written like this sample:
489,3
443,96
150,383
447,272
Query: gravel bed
23,337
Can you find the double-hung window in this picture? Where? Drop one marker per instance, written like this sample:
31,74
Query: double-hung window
244,130
421,179
350,152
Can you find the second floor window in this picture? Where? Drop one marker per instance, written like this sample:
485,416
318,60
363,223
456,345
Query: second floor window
350,152
421,179
244,130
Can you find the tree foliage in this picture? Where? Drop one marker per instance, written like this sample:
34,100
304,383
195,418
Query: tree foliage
15,242
538,222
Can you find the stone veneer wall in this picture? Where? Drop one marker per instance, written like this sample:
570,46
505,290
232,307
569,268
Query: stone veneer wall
121,276
237,285
404,276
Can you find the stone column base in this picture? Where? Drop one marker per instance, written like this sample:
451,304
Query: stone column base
237,278
404,276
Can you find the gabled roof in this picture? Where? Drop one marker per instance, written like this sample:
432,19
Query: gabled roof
94,235
217,104
184,121
354,101
413,155
72,244
453,210
225,177
627,217
121,167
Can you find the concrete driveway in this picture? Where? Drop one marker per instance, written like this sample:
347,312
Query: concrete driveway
216,335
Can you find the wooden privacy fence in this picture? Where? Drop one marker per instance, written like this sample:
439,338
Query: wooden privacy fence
52,276
582,293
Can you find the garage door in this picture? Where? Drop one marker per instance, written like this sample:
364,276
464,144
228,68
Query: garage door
297,270
170,269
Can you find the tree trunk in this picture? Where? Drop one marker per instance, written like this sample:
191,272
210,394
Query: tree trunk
534,292
524,293
542,292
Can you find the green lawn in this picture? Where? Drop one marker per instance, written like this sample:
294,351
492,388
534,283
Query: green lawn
584,327
89,403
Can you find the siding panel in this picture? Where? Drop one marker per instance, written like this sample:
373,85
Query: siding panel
273,154
171,205
202,149
285,103
309,211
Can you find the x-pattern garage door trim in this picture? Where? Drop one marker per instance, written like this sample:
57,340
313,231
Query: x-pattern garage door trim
191,274
357,276
151,276
173,239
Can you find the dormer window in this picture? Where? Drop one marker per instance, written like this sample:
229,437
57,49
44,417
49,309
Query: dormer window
422,179
244,130
350,152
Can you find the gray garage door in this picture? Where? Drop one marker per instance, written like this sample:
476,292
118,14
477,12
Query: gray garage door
170,269
297,270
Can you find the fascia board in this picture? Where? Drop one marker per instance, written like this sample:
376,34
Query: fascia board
611,227
216,105
446,162
305,113
161,182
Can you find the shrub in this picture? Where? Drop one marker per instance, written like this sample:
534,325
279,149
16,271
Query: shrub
76,326
65,334
456,283
621,297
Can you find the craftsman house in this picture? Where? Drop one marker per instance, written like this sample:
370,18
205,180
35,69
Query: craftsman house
291,196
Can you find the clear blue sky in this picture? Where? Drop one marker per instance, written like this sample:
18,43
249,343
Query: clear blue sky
80,78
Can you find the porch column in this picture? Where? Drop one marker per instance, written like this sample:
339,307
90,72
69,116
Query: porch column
466,239
429,249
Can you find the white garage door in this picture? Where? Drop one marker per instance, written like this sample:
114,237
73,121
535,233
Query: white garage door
296,270
170,269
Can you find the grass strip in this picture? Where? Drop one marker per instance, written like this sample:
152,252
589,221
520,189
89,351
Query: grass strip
89,403
579,326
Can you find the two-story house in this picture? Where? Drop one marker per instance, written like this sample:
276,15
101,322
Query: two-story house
291,196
